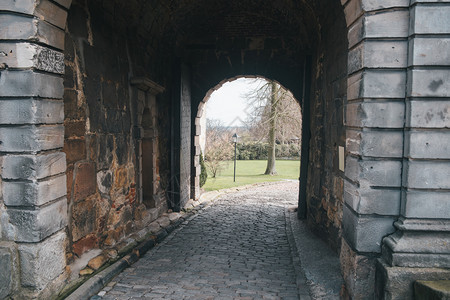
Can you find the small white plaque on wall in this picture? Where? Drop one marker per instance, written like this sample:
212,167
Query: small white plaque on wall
341,158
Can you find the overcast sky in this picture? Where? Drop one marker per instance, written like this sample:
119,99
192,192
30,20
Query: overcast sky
228,103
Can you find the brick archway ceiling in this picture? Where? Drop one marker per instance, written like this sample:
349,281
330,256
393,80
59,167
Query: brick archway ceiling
221,39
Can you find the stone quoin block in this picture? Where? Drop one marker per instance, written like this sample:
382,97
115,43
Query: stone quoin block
368,200
27,55
30,84
378,54
365,233
31,111
426,205
42,262
387,24
22,27
35,225
45,10
371,5
375,114
31,138
33,166
34,193
356,32
428,114
429,83
430,19
65,3
427,175
429,1
8,263
51,13
374,143
353,10
428,144
385,173
377,84
429,51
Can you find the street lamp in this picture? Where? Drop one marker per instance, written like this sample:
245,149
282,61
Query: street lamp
235,139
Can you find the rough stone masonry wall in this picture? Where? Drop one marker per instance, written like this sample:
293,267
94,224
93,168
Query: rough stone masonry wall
101,119
328,96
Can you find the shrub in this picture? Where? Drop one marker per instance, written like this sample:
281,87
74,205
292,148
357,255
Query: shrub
258,151
203,173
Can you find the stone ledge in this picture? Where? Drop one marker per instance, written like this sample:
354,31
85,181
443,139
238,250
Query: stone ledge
101,268
398,282
439,289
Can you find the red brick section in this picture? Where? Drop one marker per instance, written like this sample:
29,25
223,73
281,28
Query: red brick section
85,181
69,179
84,244
75,150
74,128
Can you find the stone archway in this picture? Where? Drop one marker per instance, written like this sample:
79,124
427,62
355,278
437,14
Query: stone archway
393,170
199,131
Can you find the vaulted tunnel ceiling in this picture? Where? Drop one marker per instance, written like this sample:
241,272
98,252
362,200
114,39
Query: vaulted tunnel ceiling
221,39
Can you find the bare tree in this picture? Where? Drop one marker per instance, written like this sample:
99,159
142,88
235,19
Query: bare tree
276,117
218,146
273,118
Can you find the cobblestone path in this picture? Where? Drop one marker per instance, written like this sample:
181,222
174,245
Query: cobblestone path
236,248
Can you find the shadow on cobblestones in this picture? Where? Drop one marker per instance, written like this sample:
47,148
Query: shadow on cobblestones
237,248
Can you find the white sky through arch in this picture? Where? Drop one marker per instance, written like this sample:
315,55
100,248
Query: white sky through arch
228,103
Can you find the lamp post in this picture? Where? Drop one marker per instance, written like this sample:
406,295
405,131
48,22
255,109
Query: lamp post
235,139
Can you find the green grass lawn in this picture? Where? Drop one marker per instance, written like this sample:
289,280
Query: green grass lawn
251,171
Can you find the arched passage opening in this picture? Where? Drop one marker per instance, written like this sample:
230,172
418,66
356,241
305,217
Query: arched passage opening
244,116
303,44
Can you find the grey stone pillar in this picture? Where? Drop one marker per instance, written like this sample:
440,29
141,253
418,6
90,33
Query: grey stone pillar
377,34
420,248
33,209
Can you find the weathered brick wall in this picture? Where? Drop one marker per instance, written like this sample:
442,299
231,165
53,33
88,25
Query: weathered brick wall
328,97
100,146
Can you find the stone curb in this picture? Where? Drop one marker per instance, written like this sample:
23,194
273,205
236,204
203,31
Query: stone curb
97,282
302,286
94,284
315,263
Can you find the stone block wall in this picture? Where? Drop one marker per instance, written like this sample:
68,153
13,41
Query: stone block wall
71,136
103,133
33,204
375,113
419,249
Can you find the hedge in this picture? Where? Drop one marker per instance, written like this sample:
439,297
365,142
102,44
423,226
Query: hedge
258,150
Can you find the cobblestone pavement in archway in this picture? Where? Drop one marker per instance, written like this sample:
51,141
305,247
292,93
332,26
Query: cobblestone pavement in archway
237,248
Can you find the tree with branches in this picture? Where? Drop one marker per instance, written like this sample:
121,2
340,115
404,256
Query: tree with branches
218,148
276,117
